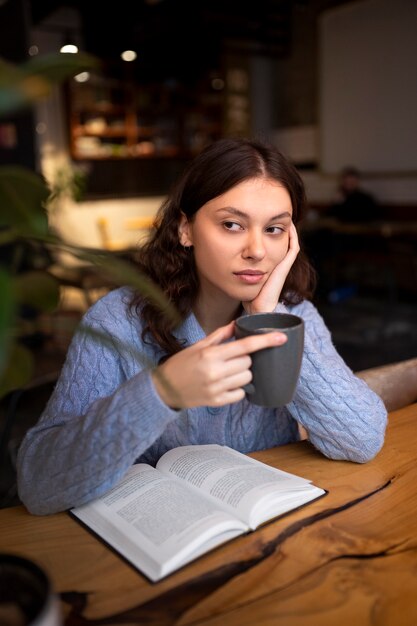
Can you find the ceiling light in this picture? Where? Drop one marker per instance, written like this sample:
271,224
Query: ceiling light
69,48
83,77
129,55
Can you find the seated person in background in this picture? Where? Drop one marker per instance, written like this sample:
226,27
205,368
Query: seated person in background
225,244
355,205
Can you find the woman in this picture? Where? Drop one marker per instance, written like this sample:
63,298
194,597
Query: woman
225,243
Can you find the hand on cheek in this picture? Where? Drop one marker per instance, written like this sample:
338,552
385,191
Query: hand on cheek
268,297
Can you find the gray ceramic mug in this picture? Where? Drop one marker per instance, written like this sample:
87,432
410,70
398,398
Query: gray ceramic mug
275,370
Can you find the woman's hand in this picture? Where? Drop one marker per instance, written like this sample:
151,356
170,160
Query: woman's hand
210,372
267,299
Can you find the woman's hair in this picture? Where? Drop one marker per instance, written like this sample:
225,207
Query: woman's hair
219,167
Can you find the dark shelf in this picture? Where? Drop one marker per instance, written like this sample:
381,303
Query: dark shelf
146,121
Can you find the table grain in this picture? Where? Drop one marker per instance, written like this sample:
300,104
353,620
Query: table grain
349,558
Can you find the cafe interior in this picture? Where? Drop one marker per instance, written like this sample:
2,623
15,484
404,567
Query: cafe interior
331,83
172,77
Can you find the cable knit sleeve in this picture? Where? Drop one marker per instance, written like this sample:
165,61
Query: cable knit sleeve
103,413
344,418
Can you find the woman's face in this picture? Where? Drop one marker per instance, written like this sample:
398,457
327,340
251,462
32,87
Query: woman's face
239,238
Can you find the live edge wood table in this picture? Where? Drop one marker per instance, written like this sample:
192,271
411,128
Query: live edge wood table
348,558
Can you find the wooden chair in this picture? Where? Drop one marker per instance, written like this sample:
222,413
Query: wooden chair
395,383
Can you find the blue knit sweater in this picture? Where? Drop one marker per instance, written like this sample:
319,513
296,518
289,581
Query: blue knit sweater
105,414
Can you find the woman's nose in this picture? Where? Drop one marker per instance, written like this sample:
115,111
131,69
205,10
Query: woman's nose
254,246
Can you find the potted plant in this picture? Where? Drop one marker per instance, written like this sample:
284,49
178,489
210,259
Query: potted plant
24,196
24,225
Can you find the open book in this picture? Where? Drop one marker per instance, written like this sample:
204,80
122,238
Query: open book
196,498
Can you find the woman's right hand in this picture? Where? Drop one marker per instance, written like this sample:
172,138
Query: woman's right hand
211,372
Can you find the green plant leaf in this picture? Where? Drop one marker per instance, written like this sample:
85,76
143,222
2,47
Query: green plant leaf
21,86
58,67
17,90
37,289
23,195
18,371
124,273
7,309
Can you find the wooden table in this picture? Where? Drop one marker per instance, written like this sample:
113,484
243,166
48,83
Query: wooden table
348,558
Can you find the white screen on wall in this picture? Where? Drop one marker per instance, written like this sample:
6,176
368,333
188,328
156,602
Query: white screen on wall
368,87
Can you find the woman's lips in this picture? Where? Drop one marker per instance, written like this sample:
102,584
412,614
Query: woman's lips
250,277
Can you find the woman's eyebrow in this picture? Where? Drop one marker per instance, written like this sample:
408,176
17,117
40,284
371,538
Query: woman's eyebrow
242,214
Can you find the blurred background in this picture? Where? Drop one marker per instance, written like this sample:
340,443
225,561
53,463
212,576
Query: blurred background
331,83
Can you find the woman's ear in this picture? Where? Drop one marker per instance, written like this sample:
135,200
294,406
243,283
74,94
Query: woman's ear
184,232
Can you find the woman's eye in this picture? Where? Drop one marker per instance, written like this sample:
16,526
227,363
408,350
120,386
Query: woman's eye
274,230
232,225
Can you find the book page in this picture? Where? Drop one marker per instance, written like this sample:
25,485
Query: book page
158,523
244,486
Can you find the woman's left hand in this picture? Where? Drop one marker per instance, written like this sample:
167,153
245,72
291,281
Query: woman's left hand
267,299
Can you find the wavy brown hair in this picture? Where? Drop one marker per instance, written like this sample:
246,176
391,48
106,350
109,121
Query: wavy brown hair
219,167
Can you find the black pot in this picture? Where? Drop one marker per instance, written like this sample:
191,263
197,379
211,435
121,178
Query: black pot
26,596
